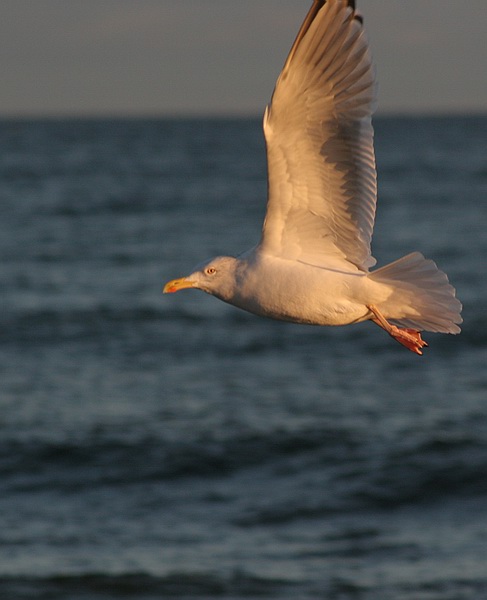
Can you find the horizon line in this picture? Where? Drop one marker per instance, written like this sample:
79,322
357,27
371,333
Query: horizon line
215,114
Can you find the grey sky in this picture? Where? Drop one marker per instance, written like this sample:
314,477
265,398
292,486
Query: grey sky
156,57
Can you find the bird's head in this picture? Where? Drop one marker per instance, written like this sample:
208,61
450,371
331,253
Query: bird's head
215,277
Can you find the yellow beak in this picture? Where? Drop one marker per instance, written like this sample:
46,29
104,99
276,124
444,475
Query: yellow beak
177,284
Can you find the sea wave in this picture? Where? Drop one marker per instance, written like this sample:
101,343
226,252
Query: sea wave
51,324
97,586
235,586
114,461
356,471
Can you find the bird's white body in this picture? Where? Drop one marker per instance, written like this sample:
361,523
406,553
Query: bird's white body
312,264
302,293
411,292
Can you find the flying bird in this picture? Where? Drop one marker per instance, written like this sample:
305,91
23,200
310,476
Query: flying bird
312,264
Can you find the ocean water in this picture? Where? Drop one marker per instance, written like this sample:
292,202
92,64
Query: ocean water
174,447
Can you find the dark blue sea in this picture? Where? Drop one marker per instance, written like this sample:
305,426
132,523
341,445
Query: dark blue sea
157,447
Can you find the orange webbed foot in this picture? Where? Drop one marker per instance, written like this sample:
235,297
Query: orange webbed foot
410,338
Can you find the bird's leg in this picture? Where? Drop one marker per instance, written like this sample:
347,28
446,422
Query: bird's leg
407,337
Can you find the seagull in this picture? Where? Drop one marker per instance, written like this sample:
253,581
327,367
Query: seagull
312,263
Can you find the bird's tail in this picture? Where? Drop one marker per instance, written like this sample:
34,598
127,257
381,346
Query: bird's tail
422,296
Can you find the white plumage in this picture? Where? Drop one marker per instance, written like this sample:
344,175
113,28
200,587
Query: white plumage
312,263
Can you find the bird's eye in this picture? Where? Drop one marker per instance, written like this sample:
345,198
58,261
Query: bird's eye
210,271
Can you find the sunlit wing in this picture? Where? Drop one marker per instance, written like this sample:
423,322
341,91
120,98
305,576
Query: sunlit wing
322,178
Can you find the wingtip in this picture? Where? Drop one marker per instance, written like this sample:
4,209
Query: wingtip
358,17
310,17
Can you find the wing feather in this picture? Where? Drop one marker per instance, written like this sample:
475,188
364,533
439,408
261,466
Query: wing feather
319,137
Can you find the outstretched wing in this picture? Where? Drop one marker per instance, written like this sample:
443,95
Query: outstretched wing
319,136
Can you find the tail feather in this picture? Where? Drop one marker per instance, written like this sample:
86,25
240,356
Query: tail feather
422,297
